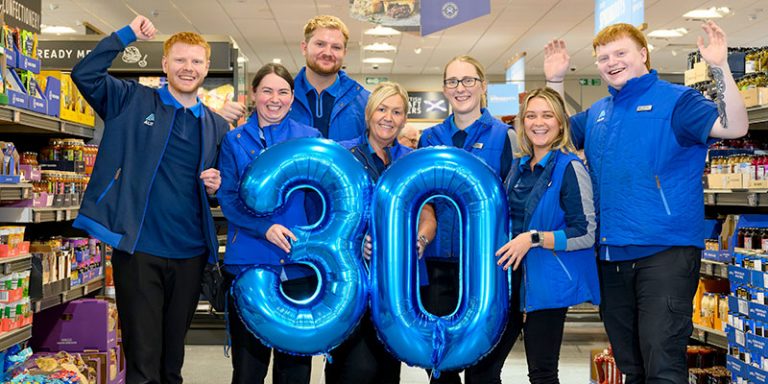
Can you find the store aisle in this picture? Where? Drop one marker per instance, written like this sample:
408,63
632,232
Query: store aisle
207,365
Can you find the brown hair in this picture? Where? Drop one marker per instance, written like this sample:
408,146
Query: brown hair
478,68
563,141
614,32
328,22
266,69
190,38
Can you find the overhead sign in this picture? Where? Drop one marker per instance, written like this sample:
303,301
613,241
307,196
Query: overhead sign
503,99
374,80
24,14
140,56
403,15
437,15
427,105
609,12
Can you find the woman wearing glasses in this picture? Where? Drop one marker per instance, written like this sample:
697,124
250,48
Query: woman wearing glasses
472,128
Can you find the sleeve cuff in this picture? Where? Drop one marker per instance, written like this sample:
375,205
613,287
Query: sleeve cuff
561,242
126,35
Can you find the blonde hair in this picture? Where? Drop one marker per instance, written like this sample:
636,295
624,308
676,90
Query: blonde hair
478,68
328,22
614,32
191,38
563,140
381,93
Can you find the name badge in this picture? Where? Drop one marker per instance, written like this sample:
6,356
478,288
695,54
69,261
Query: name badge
644,108
477,145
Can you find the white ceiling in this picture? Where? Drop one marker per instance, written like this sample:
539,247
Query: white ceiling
267,29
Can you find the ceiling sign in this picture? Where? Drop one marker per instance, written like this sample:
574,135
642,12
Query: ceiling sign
609,12
416,15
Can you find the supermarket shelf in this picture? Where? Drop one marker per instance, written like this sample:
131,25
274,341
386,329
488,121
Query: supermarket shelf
14,337
758,114
714,269
37,215
16,264
217,214
15,192
709,336
73,293
736,197
13,120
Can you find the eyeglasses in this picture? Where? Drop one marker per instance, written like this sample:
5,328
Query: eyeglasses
467,82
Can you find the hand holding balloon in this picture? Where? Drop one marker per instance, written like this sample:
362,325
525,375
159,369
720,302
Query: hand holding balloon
279,236
514,251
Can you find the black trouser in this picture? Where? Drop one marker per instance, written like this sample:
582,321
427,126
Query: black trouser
543,334
440,298
250,358
156,299
362,359
646,307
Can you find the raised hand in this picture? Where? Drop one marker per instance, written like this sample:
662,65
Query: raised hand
143,28
556,60
232,111
716,52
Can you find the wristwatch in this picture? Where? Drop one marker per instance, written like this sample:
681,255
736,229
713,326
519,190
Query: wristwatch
535,238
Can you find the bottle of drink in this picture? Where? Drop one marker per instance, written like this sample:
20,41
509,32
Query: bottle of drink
748,238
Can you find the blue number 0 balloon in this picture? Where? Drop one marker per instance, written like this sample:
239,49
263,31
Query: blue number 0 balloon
331,247
411,333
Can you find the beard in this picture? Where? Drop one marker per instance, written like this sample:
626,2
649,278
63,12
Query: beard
312,64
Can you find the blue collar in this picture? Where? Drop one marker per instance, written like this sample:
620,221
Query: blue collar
333,90
168,99
636,85
485,117
525,160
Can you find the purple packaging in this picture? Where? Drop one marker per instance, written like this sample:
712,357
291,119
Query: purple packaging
75,327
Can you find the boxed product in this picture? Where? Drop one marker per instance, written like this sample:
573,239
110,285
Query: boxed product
754,96
73,106
84,324
12,242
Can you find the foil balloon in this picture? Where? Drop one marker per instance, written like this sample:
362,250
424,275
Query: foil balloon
331,247
411,333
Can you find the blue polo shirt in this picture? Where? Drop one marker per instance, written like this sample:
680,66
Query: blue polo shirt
321,106
173,224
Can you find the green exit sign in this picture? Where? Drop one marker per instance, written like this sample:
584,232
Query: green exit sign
588,82
373,80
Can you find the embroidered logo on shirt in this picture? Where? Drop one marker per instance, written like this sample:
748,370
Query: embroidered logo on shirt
150,120
477,145
644,108
601,116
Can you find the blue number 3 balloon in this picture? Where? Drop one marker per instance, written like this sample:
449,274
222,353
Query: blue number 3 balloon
331,247
412,334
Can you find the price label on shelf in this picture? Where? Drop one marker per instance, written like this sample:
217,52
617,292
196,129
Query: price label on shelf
752,199
743,307
740,338
709,199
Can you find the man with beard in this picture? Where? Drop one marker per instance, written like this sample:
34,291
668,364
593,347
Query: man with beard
150,193
325,97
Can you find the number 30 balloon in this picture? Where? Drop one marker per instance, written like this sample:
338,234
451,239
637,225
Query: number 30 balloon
412,334
331,247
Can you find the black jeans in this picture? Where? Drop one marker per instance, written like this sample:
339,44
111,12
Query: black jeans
646,307
156,299
440,298
250,358
362,359
543,334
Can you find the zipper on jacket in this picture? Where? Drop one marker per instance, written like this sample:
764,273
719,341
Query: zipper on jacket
234,236
562,265
152,181
109,186
663,197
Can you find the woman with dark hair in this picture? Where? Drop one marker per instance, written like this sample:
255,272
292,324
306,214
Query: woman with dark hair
262,240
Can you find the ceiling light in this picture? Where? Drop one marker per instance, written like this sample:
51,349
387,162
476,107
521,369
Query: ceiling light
382,31
417,51
57,29
668,33
377,60
277,60
709,13
380,47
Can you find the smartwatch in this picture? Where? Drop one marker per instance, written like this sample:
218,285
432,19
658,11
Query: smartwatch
535,239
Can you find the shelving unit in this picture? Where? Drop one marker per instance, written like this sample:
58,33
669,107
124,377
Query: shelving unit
714,269
710,336
37,215
73,293
15,192
14,337
14,120
15,264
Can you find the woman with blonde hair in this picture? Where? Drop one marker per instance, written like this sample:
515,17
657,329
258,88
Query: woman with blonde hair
552,222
